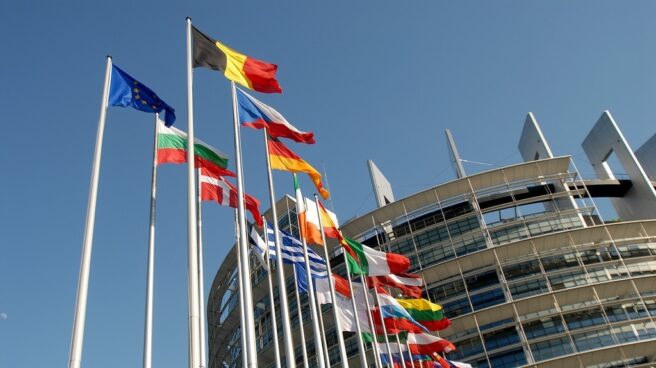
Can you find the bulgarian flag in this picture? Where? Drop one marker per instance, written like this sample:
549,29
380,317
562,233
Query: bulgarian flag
172,149
251,73
409,284
422,343
257,115
373,262
429,315
282,158
213,188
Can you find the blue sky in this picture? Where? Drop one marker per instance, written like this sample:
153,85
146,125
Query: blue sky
376,80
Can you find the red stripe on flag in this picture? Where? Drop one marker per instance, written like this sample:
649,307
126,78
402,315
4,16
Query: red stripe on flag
262,75
397,263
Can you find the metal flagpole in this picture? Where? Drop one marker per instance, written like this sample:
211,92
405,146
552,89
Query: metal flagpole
282,288
407,346
299,313
192,241
150,270
371,322
331,284
242,312
272,300
324,343
201,284
251,351
318,346
398,343
77,338
382,320
363,352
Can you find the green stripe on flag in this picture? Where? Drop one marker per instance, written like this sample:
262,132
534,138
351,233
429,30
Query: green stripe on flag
353,265
172,141
362,259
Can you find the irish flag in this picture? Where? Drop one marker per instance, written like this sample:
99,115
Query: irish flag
255,114
282,158
311,223
220,190
373,262
172,149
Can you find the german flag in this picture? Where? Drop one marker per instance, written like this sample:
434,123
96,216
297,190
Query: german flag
251,73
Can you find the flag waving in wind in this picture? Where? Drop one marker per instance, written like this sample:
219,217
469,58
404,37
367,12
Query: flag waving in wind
222,191
172,149
255,114
282,158
127,91
251,73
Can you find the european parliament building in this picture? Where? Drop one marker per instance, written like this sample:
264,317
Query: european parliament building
526,268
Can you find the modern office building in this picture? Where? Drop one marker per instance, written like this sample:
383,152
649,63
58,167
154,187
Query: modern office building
526,268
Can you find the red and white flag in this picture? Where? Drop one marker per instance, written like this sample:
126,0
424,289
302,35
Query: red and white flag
218,189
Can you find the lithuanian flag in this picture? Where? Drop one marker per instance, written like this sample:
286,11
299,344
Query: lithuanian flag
429,315
282,158
251,73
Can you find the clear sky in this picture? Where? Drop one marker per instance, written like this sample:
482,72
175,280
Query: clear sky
376,80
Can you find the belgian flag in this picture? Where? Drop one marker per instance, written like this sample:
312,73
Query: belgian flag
251,73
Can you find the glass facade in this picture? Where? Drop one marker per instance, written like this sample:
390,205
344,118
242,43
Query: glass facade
522,266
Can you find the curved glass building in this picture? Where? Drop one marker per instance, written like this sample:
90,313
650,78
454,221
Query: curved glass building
523,264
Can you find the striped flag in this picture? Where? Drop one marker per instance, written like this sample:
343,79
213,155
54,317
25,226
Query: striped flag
252,73
282,158
292,252
395,317
422,343
257,115
172,149
372,262
409,284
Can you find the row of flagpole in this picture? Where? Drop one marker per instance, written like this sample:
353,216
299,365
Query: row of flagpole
196,313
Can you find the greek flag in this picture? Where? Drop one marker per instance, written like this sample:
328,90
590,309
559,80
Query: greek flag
292,252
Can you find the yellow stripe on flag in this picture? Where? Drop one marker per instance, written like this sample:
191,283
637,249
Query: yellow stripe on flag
234,65
294,165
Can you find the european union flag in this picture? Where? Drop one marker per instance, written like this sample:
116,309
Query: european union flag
127,91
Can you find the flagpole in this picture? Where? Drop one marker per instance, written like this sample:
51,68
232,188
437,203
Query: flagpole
201,283
371,321
282,289
398,343
150,270
299,313
324,342
192,240
363,352
242,312
407,345
251,351
77,338
331,284
318,346
272,300
382,320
